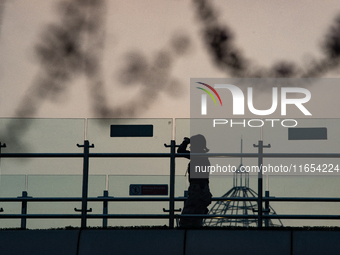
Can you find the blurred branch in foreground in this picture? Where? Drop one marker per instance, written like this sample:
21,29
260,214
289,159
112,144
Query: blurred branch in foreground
73,47
219,41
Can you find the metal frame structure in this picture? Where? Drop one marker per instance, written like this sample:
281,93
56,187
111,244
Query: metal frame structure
86,155
237,207
240,189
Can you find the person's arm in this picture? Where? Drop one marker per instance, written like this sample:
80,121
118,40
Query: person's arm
183,147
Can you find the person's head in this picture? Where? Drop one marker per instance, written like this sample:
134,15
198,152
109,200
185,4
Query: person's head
198,144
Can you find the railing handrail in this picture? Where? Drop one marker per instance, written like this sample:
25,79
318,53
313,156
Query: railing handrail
166,199
165,216
172,155
166,155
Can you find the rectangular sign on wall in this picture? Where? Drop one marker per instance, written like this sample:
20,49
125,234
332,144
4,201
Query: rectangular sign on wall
148,189
131,131
307,133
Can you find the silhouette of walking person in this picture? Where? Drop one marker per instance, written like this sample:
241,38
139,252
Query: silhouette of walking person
199,196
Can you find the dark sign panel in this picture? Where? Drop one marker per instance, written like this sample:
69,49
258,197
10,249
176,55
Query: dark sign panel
131,131
307,133
148,189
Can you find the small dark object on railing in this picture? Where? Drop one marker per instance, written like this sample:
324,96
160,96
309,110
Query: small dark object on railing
79,210
176,210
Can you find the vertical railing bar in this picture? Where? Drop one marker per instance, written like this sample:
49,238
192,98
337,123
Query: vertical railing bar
172,185
24,210
266,204
105,209
260,147
260,184
2,145
85,182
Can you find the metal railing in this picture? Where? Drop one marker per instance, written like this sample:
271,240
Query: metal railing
84,199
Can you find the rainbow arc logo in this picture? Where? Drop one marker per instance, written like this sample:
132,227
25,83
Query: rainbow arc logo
209,93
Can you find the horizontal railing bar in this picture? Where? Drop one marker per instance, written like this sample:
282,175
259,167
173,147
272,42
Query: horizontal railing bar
40,216
165,155
265,155
302,199
129,216
41,199
59,216
165,216
165,199
130,155
181,155
134,199
81,155
126,199
217,216
93,199
120,155
301,155
236,155
274,216
301,217
41,155
123,216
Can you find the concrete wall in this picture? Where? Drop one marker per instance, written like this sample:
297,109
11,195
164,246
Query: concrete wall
182,242
39,242
131,242
238,242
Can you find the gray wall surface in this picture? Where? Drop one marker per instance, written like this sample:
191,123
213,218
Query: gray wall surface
176,241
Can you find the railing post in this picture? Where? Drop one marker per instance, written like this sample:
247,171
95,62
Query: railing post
172,185
260,185
24,210
266,209
84,210
2,145
260,147
105,210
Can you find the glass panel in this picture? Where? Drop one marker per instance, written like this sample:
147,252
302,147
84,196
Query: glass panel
284,185
43,177
306,186
41,135
221,139
119,184
304,177
279,139
62,186
119,187
182,129
98,133
47,166
11,186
